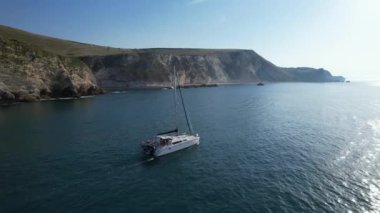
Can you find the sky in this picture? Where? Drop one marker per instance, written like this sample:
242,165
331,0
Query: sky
342,36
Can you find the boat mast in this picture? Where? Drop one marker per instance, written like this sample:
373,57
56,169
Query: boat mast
175,99
184,109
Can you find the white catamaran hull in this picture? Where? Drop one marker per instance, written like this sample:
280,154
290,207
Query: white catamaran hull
176,147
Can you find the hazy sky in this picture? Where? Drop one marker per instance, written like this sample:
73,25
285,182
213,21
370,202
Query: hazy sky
342,36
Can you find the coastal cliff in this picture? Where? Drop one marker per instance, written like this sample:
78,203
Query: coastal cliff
34,67
154,68
28,74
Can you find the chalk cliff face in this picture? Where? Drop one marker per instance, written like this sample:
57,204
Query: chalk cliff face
33,67
154,68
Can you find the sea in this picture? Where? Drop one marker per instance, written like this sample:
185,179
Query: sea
282,147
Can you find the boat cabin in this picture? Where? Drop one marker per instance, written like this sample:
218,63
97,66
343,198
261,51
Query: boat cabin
165,140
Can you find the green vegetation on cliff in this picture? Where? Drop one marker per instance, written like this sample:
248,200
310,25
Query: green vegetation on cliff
56,46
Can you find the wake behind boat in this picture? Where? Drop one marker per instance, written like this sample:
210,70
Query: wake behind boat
168,142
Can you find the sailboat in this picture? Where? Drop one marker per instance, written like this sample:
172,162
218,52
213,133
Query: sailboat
170,141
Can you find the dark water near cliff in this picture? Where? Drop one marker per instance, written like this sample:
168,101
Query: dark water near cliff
281,147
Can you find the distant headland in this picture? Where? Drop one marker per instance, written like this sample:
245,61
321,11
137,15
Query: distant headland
34,67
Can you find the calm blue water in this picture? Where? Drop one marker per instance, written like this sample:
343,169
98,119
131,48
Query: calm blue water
280,148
